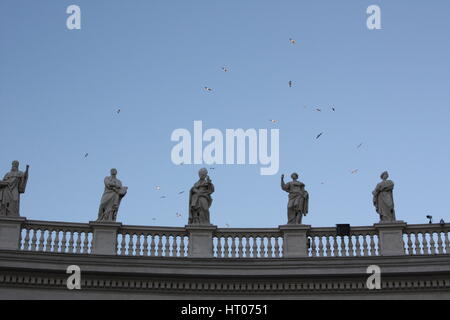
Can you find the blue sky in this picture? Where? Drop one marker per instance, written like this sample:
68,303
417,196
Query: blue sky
60,89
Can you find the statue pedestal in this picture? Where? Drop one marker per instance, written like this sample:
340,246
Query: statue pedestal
391,238
10,229
104,237
200,240
295,241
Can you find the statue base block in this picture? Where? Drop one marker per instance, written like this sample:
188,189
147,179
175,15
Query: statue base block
391,238
10,229
201,240
295,240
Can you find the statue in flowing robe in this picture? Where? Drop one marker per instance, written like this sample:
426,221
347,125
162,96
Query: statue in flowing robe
298,199
112,196
13,184
383,199
200,199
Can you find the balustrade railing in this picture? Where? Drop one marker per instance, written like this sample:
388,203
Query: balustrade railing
361,242
427,239
56,237
247,243
152,241
227,243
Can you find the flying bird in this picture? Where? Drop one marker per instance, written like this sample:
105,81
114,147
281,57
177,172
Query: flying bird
208,89
224,69
163,197
181,192
317,109
178,215
319,135
333,108
290,84
355,171
274,121
359,145
118,111
86,155
292,41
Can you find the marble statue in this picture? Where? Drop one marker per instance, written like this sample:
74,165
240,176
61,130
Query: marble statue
13,184
383,199
200,199
298,199
112,196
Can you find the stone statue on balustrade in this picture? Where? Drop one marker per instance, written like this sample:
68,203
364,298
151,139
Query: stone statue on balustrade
13,184
383,199
200,199
298,199
112,196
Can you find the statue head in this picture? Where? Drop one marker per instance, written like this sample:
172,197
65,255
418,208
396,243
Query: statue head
294,176
202,173
15,165
384,175
113,172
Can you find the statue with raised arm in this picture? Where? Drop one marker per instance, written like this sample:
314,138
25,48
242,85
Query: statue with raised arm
13,184
383,199
200,199
112,196
298,199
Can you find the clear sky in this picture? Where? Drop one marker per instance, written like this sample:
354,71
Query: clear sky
60,89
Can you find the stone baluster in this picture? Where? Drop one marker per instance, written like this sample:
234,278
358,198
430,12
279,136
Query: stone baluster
447,242
78,243
26,243
320,239
247,246
167,245
33,241
440,243
350,246
160,245
432,243
48,244
145,246
152,246
373,248
254,247
41,240
138,243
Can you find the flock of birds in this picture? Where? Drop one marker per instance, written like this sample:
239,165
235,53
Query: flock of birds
274,121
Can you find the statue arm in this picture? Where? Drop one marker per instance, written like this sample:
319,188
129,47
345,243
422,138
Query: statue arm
285,186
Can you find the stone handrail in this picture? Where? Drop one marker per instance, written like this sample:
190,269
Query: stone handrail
57,237
427,239
324,242
194,241
247,243
152,241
